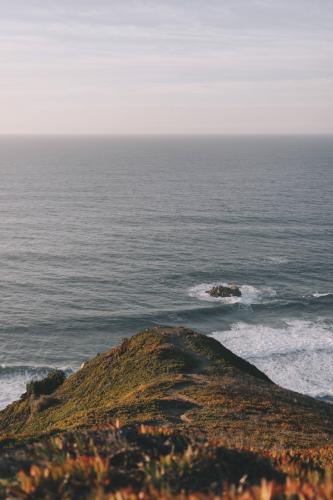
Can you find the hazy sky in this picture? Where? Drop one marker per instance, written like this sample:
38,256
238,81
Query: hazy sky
174,66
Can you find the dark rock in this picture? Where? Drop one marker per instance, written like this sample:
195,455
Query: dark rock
47,385
225,291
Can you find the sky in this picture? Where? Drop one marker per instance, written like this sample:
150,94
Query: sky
166,67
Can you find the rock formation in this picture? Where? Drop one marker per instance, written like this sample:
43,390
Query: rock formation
225,291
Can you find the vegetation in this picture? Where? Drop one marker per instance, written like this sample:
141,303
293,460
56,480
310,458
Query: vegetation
168,414
47,385
138,462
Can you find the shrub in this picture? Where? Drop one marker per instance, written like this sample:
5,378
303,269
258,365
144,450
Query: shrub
47,385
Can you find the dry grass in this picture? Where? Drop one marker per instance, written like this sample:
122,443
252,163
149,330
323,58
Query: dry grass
141,462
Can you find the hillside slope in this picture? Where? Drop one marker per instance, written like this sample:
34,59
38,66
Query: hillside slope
179,377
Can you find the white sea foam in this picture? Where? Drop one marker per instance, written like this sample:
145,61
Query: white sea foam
13,380
278,259
250,294
297,354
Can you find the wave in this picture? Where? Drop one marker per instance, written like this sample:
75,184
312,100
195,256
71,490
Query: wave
278,260
296,354
250,294
317,295
21,369
328,398
33,370
13,379
260,341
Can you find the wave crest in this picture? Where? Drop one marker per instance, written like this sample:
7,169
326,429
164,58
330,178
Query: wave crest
13,379
278,260
296,354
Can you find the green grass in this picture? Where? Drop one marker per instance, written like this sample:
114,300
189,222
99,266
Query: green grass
174,376
217,426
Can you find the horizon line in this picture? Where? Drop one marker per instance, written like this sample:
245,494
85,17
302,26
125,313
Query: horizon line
161,135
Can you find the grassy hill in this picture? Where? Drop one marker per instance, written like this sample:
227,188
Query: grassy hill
179,377
169,410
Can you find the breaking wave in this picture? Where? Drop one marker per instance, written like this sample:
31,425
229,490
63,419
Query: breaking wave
296,354
13,380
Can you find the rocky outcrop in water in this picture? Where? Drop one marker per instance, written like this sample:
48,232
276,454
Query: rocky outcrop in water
225,291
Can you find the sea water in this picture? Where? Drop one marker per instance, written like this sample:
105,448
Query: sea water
101,237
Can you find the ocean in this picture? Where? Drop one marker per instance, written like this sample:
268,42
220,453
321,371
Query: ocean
101,237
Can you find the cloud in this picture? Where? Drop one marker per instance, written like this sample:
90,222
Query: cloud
242,53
